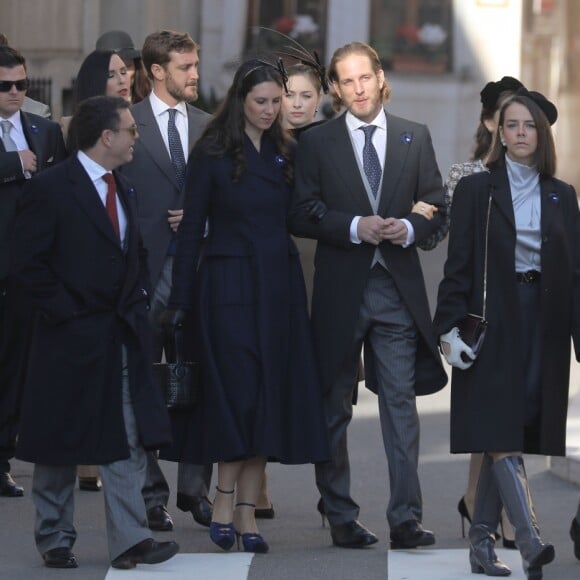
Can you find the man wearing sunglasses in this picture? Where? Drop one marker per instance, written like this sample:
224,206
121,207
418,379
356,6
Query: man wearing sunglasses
28,144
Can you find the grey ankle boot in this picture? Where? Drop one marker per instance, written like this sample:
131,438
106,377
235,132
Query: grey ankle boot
513,487
486,515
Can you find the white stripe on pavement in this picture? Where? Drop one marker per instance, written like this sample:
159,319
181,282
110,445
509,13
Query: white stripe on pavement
444,564
190,567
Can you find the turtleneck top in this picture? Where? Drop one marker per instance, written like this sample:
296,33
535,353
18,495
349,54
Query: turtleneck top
526,199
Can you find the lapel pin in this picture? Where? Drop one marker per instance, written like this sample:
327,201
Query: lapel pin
280,160
554,198
406,138
33,129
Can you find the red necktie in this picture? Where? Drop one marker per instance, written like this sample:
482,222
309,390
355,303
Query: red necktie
111,202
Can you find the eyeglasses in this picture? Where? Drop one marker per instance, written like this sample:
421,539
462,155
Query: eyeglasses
20,84
132,129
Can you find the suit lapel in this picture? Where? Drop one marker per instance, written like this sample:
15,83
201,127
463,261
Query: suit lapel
501,194
33,136
151,139
195,126
87,197
344,162
398,143
551,205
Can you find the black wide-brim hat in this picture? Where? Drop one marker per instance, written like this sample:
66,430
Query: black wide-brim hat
491,92
548,108
120,42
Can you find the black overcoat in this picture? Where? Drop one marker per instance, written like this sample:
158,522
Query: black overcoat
326,170
487,408
89,296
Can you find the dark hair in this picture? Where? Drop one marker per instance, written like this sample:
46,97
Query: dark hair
347,50
92,77
141,85
225,132
158,45
545,154
304,70
95,115
11,58
483,138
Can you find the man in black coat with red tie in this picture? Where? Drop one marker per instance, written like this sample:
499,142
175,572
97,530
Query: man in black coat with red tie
89,397
28,144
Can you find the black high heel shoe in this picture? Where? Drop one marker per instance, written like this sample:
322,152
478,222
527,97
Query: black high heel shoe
321,511
464,513
223,535
508,544
252,541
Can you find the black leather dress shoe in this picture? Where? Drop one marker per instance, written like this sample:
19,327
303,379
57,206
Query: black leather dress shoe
60,558
8,487
200,507
352,535
146,552
90,484
410,534
575,535
159,519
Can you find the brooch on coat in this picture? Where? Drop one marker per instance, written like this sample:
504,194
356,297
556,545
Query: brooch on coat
554,198
280,160
33,129
406,138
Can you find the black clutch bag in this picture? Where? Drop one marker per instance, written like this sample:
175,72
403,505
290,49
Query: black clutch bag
472,331
179,380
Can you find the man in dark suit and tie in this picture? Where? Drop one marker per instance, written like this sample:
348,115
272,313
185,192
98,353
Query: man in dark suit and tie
357,178
28,144
168,128
89,397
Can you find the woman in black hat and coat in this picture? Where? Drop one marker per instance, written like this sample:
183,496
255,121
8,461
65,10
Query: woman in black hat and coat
512,397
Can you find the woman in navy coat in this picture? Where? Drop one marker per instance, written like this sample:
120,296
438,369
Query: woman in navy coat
512,398
243,284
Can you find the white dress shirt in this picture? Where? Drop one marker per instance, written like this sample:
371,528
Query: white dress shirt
96,172
353,125
161,114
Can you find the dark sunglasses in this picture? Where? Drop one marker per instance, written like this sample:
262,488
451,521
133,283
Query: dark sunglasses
21,85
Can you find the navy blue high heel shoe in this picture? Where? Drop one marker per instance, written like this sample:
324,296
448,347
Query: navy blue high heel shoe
251,541
223,535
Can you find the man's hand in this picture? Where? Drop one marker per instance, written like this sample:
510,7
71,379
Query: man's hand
28,159
174,219
395,231
425,209
371,229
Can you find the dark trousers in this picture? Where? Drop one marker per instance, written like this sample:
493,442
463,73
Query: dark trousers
386,326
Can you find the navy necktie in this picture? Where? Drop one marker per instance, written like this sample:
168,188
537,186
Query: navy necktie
175,148
371,163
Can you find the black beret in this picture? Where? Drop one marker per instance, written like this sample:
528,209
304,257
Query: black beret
548,108
491,92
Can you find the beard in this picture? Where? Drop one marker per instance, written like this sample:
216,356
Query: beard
180,93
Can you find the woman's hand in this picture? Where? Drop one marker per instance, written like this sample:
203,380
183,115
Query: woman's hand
455,351
425,209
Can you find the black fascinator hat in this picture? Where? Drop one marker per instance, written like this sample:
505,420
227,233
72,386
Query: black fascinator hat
548,108
492,90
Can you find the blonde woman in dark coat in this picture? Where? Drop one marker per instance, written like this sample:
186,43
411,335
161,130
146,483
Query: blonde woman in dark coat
512,398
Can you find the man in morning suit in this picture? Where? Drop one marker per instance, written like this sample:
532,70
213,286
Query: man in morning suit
89,395
168,128
28,144
356,180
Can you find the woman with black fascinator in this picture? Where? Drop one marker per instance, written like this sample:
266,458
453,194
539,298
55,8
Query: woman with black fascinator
244,291
514,247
